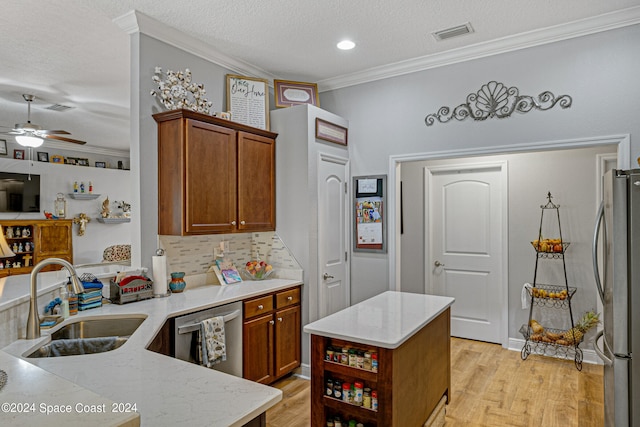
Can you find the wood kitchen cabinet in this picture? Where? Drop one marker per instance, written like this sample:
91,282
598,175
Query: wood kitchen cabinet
45,239
271,335
214,175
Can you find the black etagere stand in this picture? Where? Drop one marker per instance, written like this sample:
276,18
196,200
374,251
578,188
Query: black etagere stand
550,342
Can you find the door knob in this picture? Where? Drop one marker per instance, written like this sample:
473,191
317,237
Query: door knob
279,319
438,264
233,223
271,322
327,276
242,223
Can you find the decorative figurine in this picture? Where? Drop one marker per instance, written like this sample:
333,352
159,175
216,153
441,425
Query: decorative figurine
15,248
27,260
17,232
9,232
126,208
27,247
106,212
20,248
81,220
26,232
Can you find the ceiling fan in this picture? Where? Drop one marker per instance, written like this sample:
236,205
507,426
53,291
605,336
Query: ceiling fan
31,135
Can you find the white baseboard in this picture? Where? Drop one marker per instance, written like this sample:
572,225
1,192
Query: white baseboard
588,356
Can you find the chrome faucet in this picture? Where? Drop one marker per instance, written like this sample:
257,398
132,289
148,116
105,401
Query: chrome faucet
33,322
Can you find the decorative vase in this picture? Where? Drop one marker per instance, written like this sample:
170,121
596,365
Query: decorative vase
177,283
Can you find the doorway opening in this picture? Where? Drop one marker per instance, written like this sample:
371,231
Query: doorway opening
413,281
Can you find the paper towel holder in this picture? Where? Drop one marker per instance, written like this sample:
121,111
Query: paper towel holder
160,252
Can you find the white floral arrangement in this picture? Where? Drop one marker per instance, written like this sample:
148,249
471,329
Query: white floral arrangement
178,91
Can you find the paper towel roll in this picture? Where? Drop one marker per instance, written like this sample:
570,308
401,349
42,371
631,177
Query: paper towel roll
159,265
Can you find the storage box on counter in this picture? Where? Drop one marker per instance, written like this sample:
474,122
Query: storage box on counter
130,289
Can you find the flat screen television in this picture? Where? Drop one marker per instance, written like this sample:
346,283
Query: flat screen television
19,192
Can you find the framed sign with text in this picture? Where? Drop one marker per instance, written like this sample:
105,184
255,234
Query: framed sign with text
248,101
331,132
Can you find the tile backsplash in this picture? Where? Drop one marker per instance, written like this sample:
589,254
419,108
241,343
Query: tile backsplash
195,254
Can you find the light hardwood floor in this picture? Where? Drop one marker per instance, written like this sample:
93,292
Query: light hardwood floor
490,386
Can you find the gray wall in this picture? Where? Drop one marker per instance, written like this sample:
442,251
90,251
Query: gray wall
570,176
147,53
386,117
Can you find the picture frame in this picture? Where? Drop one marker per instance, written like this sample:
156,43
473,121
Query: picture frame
70,161
18,154
101,164
288,93
248,100
82,162
3,147
43,156
56,158
331,132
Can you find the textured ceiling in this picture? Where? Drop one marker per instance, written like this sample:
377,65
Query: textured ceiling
71,52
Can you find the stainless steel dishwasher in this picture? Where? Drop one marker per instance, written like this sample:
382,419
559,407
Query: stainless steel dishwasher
186,335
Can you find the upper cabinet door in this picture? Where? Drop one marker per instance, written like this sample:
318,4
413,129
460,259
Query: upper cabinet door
256,183
210,181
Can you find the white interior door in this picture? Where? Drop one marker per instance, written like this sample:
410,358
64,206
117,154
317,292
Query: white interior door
466,244
333,239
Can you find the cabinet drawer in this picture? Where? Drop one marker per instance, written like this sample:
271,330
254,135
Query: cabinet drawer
287,298
258,306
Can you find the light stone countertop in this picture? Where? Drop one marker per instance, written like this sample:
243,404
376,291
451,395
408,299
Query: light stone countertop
386,320
166,391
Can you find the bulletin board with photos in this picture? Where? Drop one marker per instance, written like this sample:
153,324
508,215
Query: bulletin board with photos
370,226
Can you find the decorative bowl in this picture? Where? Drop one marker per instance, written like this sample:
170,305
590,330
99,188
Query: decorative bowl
257,270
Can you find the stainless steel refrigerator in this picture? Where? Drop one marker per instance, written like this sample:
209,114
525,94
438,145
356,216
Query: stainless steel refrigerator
617,230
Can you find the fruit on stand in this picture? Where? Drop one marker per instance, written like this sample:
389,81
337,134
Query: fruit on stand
548,245
536,327
575,334
543,293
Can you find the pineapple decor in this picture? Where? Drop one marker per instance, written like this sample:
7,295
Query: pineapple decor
575,334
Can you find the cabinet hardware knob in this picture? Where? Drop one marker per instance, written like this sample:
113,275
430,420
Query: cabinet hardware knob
637,183
279,319
233,223
327,276
271,322
260,307
242,223
289,298
438,264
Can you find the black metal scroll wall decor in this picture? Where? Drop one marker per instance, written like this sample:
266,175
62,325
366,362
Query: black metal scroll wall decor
496,100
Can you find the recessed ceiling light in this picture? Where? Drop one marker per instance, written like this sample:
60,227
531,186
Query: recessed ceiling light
346,45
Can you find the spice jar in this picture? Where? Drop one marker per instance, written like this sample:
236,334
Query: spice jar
337,389
374,400
329,354
345,356
330,423
360,359
329,388
366,398
337,354
352,358
337,422
374,362
346,392
367,361
358,395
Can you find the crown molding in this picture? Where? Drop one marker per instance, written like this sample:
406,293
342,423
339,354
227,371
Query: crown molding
583,27
135,21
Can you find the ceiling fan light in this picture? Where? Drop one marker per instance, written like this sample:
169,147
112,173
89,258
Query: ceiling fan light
29,141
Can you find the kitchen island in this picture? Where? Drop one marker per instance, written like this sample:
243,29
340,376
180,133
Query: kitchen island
164,390
410,336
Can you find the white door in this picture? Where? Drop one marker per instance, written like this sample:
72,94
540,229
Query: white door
466,247
333,238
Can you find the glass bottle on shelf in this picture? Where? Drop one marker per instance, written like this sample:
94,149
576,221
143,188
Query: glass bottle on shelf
60,206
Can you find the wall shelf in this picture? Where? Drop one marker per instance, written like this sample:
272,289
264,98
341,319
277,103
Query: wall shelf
84,196
113,220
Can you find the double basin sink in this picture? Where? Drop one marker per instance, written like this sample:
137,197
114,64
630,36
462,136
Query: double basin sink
89,336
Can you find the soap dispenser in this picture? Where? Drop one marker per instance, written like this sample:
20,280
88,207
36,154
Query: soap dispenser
64,296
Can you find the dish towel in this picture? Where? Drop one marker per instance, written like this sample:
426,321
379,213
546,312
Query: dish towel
212,343
525,295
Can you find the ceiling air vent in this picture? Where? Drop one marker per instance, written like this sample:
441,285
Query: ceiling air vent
448,33
58,107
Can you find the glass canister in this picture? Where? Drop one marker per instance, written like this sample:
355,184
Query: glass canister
60,206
